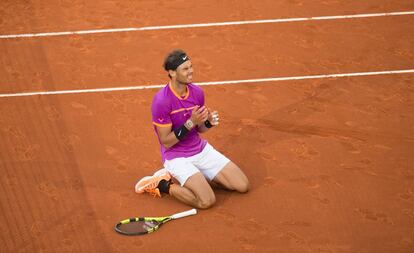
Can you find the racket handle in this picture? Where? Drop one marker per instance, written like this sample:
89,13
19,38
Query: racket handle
184,214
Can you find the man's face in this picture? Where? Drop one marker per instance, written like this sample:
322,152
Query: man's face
184,73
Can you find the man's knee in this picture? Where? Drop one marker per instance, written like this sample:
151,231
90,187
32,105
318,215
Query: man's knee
243,187
207,202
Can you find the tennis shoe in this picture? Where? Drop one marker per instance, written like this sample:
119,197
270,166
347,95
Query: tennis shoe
150,183
146,178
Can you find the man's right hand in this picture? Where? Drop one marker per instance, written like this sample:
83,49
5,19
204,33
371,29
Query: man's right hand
199,115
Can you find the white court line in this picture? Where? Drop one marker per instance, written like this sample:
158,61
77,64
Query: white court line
272,79
147,28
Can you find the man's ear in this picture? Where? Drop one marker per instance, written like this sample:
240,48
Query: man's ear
172,73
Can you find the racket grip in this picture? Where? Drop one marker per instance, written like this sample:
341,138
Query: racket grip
184,214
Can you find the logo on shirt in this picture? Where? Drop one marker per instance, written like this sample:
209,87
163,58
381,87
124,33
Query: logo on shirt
161,120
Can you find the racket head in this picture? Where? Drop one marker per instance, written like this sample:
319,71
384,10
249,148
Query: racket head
140,226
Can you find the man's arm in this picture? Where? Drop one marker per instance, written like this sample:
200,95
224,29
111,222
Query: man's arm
169,138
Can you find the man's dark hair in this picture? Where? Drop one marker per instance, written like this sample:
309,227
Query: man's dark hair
174,59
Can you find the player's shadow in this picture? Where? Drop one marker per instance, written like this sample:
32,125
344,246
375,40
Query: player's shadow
256,133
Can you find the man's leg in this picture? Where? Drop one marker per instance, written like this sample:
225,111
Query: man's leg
232,177
196,192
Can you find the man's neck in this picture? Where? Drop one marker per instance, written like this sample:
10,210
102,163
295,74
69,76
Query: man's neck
179,88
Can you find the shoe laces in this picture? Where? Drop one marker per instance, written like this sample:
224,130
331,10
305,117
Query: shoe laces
151,185
154,192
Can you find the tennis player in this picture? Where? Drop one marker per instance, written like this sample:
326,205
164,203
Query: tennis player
191,164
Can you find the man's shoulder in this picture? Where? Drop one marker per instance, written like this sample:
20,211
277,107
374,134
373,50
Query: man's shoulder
162,94
195,88
162,98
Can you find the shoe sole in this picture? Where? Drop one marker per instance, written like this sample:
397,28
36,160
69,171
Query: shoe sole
139,190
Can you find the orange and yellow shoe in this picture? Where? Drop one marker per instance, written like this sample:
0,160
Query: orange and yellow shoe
150,183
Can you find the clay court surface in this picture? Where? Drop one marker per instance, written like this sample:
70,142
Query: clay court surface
330,160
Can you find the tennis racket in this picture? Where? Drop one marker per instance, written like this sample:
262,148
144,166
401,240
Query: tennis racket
146,225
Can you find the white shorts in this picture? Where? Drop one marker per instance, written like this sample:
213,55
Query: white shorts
209,162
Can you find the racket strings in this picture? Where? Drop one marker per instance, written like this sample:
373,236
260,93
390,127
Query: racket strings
138,227
150,225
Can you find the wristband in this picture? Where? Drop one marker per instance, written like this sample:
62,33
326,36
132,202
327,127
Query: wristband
181,132
208,124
